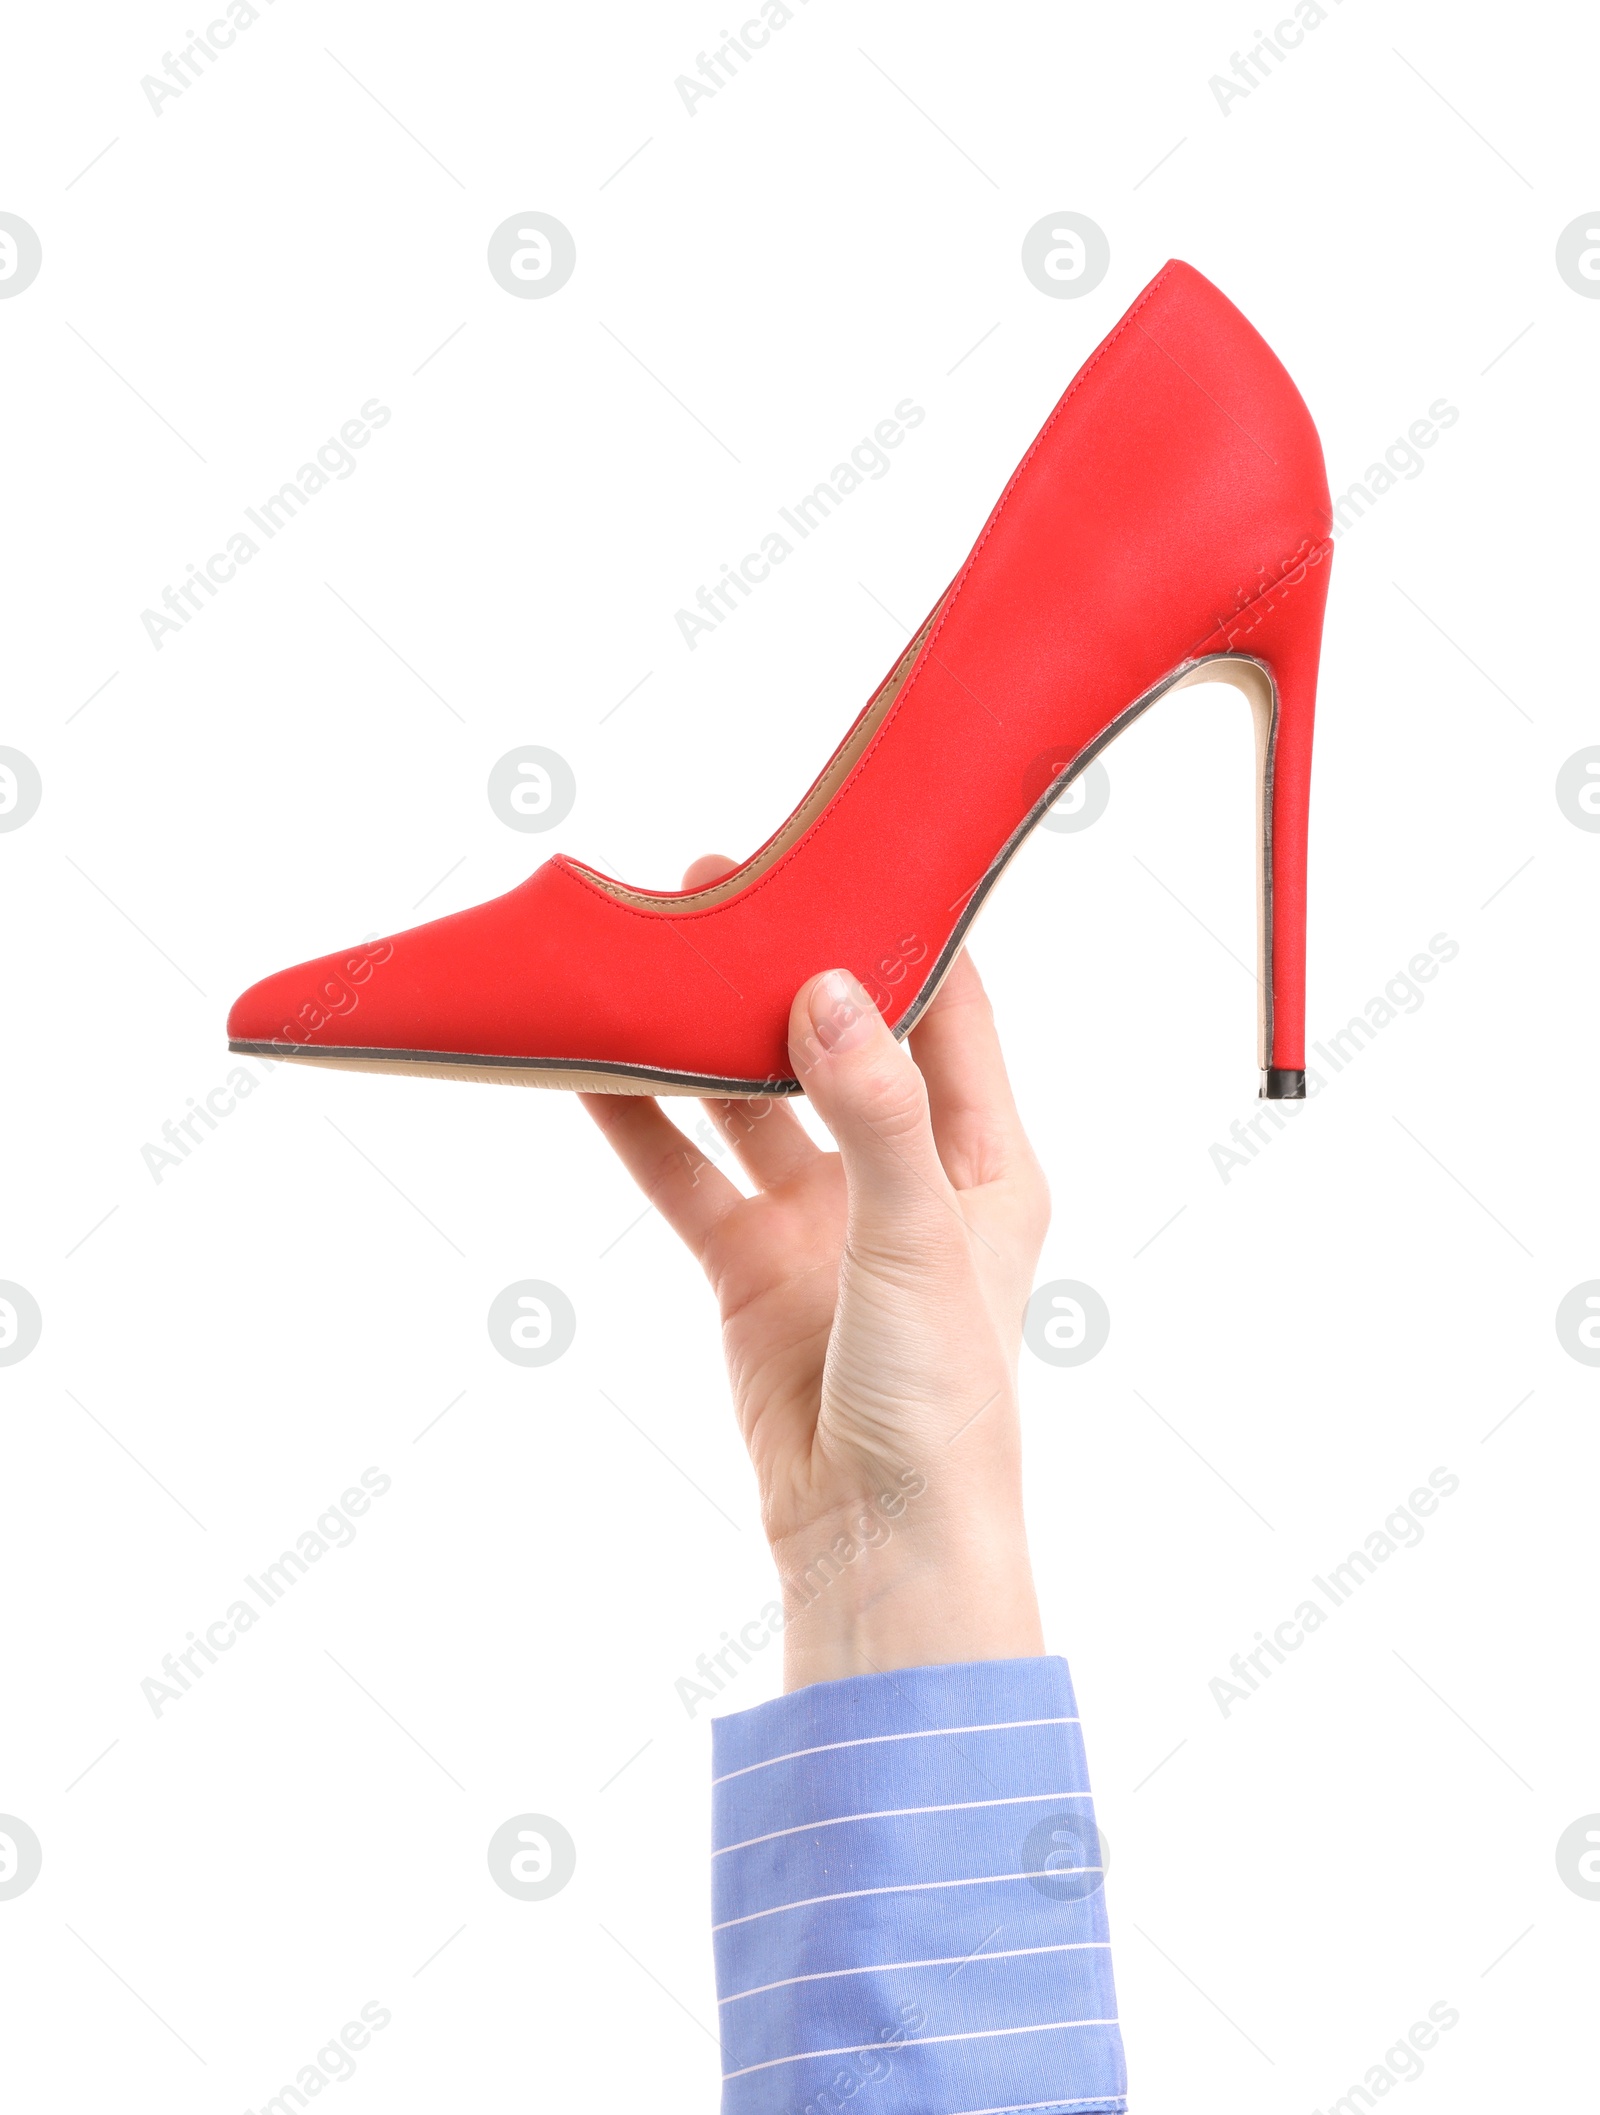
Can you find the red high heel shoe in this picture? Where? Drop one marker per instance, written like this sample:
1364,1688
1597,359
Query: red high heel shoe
1169,525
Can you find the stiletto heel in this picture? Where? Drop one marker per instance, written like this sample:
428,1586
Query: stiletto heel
1269,649
1179,464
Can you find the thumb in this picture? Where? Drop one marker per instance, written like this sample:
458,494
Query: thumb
869,1093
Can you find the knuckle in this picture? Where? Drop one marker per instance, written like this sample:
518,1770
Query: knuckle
893,1101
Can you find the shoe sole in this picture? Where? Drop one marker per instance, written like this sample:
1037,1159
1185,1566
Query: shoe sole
586,1076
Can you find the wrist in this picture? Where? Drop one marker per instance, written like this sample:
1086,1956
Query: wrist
863,1594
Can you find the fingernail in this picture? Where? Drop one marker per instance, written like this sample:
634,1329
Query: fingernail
841,1012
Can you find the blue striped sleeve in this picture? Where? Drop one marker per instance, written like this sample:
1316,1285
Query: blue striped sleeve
908,1899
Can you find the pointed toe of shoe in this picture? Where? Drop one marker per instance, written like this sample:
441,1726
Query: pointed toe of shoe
315,1004
556,984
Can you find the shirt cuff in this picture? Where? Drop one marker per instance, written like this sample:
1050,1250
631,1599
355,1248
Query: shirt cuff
908,1895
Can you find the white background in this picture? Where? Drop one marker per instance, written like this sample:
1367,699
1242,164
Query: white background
1365,1301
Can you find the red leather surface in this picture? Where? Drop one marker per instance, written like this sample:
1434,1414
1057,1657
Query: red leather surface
1168,508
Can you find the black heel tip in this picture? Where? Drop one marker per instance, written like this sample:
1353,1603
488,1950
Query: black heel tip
1281,1085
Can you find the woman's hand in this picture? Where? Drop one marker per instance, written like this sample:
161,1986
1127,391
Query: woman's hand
872,1306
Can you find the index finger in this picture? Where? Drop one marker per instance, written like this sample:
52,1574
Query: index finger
975,1121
